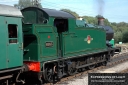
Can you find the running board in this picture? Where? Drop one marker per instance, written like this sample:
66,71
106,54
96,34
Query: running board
89,64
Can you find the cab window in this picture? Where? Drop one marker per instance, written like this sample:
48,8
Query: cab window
61,25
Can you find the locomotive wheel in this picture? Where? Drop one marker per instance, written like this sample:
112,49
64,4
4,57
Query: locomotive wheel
91,67
103,57
49,74
104,63
72,71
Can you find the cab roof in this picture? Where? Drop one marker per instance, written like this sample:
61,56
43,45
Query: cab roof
53,12
6,10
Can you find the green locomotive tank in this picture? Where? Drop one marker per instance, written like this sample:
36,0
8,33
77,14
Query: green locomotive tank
11,43
55,43
44,41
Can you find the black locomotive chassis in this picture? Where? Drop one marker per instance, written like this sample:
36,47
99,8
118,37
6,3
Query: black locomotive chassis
53,70
69,66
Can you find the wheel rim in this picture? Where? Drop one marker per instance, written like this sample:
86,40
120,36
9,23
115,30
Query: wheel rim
91,67
72,71
49,75
104,57
104,63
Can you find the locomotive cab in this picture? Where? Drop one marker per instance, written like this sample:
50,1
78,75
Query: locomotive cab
33,16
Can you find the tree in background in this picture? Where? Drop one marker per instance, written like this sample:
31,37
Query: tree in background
118,37
94,20
125,36
121,31
90,20
71,12
26,3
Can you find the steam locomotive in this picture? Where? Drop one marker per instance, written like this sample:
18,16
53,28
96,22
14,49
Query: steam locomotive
39,44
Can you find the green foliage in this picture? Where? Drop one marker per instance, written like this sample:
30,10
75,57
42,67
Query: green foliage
94,21
91,20
125,36
71,12
26,3
118,37
121,31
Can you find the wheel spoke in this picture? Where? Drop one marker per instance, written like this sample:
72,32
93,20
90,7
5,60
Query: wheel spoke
91,67
49,77
49,74
72,71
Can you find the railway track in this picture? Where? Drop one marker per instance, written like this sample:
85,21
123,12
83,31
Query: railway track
117,59
124,71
